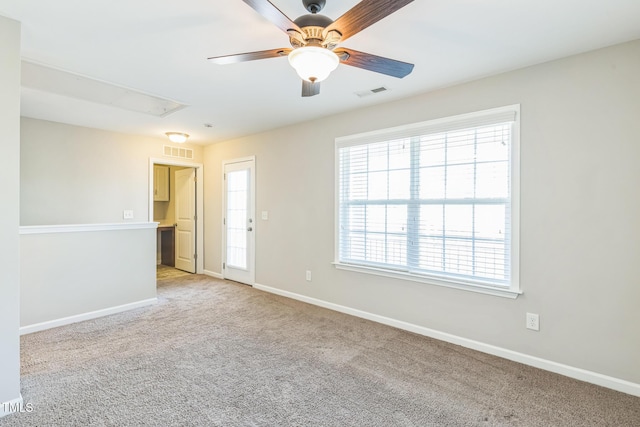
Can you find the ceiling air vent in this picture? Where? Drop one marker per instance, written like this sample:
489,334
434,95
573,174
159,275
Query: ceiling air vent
364,93
180,152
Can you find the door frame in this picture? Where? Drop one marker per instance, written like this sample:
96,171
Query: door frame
199,167
252,235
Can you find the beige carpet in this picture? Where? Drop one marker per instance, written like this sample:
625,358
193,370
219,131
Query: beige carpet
164,272
216,353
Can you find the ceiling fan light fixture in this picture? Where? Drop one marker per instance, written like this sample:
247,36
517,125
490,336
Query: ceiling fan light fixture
313,63
177,137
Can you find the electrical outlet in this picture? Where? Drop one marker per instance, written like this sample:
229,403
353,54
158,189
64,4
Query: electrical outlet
533,321
128,214
308,275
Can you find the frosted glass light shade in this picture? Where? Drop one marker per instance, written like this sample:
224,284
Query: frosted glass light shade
177,137
312,63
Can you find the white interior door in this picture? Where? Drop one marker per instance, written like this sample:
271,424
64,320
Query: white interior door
185,205
239,221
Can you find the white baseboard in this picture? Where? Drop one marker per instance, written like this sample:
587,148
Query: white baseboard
212,274
11,406
85,316
548,365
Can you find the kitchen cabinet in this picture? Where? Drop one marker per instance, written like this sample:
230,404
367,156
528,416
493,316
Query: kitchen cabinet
160,183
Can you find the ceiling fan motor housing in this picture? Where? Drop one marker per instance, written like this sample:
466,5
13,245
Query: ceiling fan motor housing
313,26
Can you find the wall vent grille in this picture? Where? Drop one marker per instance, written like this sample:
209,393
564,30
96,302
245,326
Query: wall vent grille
183,153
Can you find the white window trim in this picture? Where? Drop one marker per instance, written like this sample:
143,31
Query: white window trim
463,120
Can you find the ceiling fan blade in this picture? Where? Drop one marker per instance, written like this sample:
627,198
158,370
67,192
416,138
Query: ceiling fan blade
370,62
310,89
273,14
364,14
249,56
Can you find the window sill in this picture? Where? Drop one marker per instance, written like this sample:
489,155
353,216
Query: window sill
487,290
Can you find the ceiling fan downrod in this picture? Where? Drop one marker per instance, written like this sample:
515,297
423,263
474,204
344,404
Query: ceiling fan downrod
314,6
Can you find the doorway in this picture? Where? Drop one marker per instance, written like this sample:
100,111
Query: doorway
178,209
239,221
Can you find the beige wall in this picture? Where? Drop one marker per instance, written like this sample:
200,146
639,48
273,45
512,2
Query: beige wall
79,274
77,175
9,214
580,210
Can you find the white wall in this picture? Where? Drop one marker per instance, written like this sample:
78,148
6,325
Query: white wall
580,211
9,214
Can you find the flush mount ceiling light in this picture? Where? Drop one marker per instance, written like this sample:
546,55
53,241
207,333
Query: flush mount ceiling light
313,63
177,137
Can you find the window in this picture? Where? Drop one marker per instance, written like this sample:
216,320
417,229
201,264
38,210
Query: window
434,202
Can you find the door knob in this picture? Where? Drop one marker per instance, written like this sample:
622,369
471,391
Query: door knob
250,229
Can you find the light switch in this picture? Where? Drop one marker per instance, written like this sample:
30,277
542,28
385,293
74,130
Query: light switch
265,215
127,214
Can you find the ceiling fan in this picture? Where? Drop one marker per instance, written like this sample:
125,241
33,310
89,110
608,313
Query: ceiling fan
314,39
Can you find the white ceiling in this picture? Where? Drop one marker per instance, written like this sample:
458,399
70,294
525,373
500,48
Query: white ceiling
160,47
